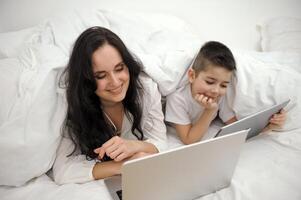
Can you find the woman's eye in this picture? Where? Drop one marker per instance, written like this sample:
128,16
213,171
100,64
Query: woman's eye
99,76
120,67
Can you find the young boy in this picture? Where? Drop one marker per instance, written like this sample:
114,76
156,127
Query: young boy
192,107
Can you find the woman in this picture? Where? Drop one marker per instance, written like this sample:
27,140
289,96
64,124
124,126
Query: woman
114,110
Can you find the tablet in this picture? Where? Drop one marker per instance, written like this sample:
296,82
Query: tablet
255,122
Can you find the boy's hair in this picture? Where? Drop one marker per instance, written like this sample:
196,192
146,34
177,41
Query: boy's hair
214,53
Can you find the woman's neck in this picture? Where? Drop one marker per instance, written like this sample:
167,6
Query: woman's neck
115,114
113,108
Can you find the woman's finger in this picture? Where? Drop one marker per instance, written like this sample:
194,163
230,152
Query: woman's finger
101,153
121,157
110,142
109,150
117,152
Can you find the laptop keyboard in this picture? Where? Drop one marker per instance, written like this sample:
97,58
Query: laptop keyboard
119,194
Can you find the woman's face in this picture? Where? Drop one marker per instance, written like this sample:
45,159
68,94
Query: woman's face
111,74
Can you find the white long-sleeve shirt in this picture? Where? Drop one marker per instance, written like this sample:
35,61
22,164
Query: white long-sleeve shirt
77,169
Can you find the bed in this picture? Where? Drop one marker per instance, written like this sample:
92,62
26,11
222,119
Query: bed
30,116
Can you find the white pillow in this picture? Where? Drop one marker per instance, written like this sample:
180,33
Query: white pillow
63,30
261,84
165,44
31,122
10,74
286,59
30,129
281,34
12,42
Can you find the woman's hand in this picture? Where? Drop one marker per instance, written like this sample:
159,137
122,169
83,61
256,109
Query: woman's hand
277,121
106,169
117,148
206,102
139,155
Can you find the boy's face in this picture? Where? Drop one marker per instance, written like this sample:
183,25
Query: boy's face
212,82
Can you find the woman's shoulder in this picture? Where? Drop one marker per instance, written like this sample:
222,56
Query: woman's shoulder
150,92
145,78
148,84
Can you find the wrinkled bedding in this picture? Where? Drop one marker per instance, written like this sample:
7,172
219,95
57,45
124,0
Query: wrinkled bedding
269,166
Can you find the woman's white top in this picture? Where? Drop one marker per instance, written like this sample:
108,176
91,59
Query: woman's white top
77,169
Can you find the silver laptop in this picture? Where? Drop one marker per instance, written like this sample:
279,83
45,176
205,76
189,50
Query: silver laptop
186,172
256,122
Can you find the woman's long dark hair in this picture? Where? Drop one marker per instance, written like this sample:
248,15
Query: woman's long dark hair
85,122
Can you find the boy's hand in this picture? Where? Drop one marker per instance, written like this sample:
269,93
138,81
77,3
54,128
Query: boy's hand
206,102
277,121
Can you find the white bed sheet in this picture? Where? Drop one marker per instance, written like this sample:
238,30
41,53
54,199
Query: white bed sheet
269,166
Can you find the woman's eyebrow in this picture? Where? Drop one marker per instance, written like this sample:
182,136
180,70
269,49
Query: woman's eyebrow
118,64
99,72
225,81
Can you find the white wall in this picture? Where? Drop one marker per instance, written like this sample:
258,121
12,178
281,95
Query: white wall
230,21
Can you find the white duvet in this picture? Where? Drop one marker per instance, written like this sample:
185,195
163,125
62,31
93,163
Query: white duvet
268,168
30,118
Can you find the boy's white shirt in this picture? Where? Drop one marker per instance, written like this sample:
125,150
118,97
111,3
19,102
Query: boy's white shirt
182,108
77,169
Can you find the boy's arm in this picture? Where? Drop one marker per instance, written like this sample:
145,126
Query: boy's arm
233,119
194,133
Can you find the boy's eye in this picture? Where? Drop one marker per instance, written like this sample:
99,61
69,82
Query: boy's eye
224,86
210,82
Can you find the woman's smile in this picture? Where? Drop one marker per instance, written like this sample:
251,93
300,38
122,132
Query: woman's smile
116,90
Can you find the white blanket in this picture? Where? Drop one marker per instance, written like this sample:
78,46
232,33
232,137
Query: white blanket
32,115
268,166
261,83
